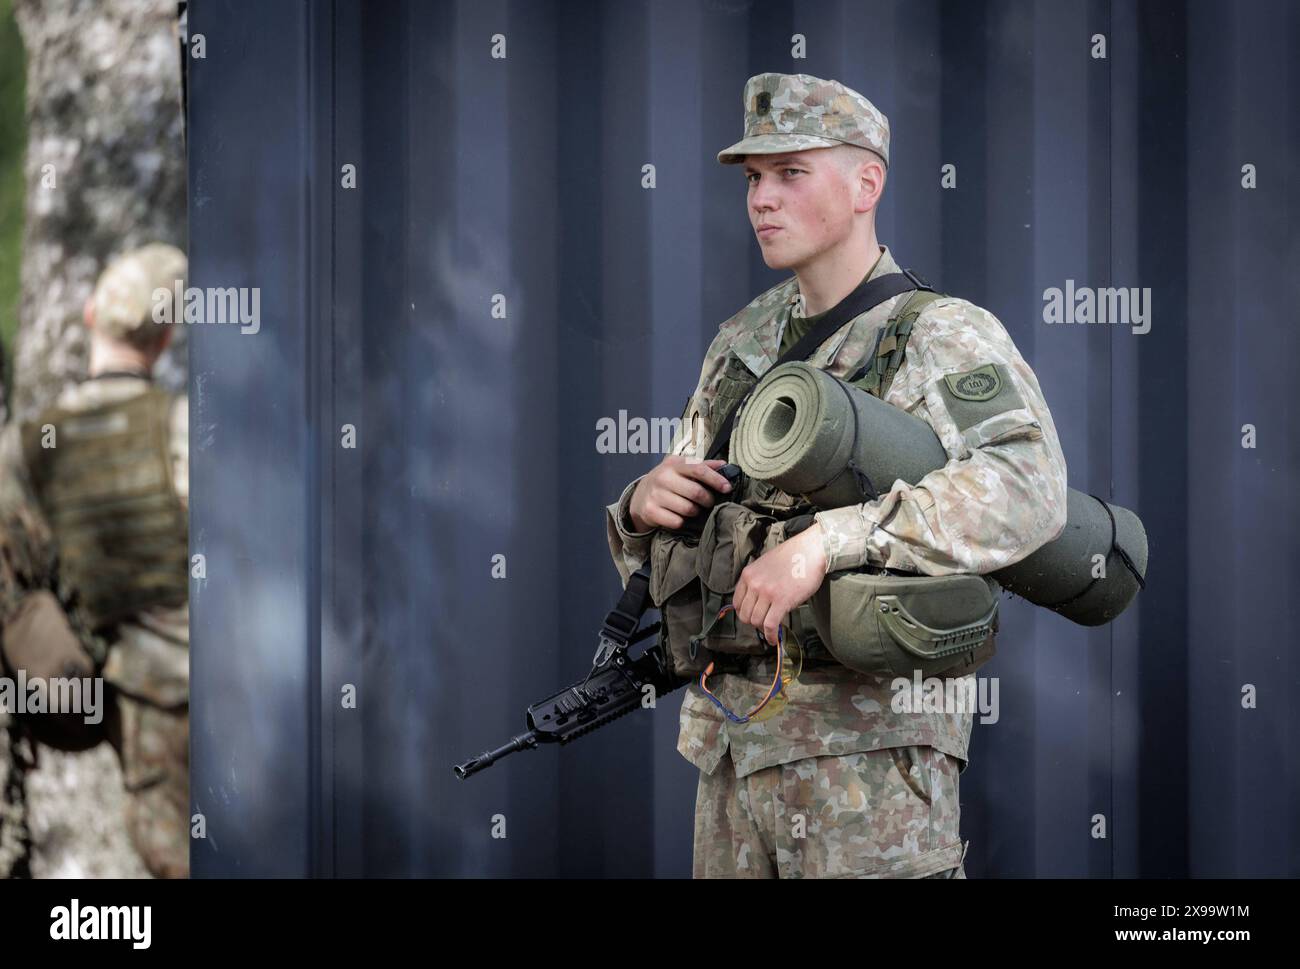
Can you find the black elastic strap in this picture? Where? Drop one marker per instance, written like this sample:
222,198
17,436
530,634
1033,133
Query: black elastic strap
866,490
869,294
1114,547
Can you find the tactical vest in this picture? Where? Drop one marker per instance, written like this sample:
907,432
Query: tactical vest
693,580
107,491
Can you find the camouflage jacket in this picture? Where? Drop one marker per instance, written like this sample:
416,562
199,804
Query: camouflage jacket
1000,496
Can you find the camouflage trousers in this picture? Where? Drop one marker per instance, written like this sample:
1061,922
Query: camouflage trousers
154,747
888,813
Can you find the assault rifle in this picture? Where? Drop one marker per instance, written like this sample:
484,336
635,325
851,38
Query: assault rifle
617,682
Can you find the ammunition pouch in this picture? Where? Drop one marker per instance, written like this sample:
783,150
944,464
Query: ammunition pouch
895,625
733,536
692,580
38,638
39,642
674,589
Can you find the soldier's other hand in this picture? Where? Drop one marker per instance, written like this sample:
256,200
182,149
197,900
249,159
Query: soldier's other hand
780,580
677,489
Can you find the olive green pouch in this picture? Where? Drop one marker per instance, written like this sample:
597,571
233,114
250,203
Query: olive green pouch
733,537
675,590
39,641
895,625
736,381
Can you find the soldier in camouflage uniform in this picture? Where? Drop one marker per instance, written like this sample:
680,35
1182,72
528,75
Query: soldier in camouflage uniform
43,635
27,600
109,467
839,784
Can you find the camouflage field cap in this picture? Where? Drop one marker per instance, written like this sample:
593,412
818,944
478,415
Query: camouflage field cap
123,298
794,112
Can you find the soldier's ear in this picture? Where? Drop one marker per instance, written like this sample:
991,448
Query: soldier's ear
870,181
88,312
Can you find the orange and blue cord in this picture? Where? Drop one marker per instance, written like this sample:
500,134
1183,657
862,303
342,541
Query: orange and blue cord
778,684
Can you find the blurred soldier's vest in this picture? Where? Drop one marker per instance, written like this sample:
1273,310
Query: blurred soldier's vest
107,490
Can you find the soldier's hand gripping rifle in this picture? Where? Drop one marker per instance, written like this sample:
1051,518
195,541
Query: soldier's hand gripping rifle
617,683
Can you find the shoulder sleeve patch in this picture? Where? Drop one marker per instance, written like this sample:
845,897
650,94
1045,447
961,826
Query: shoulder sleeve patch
982,383
977,395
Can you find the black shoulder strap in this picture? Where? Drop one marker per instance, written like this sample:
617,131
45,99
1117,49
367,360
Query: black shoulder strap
869,294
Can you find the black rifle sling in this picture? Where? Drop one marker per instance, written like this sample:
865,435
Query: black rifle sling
632,605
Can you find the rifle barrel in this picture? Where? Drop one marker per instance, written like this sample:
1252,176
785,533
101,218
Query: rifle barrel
525,741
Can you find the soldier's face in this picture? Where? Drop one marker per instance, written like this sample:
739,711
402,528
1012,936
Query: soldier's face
805,199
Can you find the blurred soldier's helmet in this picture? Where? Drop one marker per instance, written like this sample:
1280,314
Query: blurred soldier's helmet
123,302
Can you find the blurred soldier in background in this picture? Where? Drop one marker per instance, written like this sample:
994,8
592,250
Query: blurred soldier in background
44,637
108,466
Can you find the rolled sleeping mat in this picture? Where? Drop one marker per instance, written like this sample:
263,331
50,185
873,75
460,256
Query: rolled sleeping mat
809,433
1060,575
796,431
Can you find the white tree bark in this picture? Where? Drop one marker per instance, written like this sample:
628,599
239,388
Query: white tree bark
104,123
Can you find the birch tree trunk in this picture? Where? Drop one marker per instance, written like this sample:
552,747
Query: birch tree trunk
105,173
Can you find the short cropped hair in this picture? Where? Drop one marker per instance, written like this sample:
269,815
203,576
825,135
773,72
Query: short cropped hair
850,157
